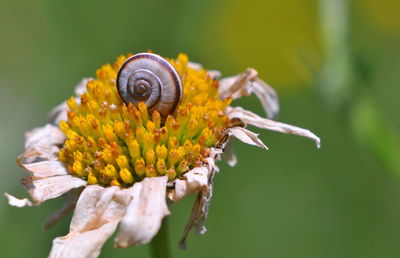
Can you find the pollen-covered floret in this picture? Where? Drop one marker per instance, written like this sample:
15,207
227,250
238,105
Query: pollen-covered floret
113,143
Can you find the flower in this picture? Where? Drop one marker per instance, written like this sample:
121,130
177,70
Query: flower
117,163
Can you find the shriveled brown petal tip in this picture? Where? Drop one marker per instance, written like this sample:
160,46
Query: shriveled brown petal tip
145,212
17,202
253,119
246,136
97,214
190,183
42,189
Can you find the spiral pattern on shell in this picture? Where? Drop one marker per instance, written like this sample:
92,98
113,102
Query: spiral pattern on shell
151,79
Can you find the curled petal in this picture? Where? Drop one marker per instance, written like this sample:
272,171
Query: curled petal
246,83
80,88
17,202
203,200
190,183
58,114
229,155
41,144
246,136
145,212
253,119
42,189
97,214
45,168
194,65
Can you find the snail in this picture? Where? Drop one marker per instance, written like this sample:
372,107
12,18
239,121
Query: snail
149,78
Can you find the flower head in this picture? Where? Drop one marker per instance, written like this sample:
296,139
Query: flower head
118,162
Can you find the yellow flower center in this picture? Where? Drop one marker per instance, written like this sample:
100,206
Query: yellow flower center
113,143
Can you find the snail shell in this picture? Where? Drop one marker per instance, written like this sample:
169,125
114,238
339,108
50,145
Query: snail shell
151,79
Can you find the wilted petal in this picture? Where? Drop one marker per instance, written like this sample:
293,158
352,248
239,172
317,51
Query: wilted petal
190,183
246,83
17,202
97,214
253,119
80,88
58,114
246,136
68,206
203,200
42,189
42,144
194,65
45,168
267,96
145,212
229,155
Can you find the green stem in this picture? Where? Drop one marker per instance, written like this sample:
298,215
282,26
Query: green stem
160,244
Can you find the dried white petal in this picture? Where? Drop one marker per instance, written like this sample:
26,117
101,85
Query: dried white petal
194,65
17,202
229,155
246,83
97,214
214,74
253,119
42,144
46,168
246,136
42,189
58,114
203,200
145,212
190,183
267,96
80,88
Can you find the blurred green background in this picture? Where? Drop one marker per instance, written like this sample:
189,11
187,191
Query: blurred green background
335,65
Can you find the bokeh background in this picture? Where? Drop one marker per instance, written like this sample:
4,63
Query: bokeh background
335,65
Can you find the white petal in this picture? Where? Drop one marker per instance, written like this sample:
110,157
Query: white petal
42,189
246,136
47,135
97,214
194,65
253,119
246,83
42,144
58,114
145,212
46,168
80,88
203,200
17,202
190,183
214,74
229,155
